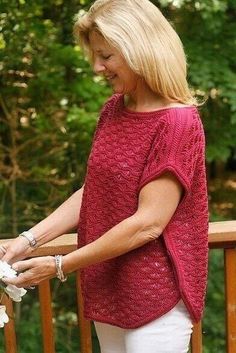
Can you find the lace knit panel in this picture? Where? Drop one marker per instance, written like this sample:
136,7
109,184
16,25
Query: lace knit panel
128,151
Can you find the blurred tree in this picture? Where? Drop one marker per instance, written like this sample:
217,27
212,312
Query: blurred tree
208,31
49,104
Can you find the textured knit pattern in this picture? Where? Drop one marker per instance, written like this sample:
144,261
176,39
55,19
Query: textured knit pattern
129,150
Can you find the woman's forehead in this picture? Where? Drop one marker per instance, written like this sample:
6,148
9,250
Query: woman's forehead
98,42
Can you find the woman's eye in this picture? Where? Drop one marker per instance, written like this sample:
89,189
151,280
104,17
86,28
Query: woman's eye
106,57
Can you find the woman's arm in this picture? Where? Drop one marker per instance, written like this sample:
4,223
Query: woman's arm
158,201
62,220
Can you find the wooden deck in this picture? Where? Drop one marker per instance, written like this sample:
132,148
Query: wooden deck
222,235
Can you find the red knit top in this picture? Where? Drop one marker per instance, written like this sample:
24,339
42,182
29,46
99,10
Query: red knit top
129,150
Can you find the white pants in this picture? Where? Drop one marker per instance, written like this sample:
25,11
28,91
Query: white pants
168,334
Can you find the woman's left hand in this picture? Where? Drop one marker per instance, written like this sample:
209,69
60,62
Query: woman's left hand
32,271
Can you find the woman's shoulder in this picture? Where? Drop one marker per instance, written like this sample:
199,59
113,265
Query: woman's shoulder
185,121
182,118
178,105
182,112
180,109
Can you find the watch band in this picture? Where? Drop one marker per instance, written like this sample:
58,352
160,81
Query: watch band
30,237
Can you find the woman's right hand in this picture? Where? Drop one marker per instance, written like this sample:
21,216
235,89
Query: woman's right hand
15,250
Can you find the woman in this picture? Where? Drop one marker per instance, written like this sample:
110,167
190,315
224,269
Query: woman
142,211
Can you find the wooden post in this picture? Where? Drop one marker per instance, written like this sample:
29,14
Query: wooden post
84,325
9,328
196,339
230,299
46,317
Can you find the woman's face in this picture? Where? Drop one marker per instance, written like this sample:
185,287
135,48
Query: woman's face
108,62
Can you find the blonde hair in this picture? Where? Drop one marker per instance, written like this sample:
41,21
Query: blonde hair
147,41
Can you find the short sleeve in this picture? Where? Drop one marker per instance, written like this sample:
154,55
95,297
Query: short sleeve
178,146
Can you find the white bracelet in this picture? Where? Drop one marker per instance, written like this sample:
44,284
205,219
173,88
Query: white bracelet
30,237
59,272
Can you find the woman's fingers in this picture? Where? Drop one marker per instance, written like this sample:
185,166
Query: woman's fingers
32,271
23,280
14,250
23,265
3,251
8,255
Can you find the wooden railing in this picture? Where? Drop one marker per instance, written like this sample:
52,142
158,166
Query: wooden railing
222,235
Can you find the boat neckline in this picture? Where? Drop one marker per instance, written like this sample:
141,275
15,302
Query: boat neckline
133,112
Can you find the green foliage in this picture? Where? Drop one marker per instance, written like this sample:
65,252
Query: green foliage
208,31
49,104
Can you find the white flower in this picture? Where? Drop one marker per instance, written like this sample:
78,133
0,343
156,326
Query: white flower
3,316
14,292
6,270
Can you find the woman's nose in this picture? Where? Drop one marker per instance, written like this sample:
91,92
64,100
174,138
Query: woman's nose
98,66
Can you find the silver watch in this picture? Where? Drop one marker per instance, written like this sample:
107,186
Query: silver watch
30,237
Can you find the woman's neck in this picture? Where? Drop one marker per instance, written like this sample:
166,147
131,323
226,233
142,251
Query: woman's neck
144,99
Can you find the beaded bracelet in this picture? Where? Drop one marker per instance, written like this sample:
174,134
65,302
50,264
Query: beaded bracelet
59,273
